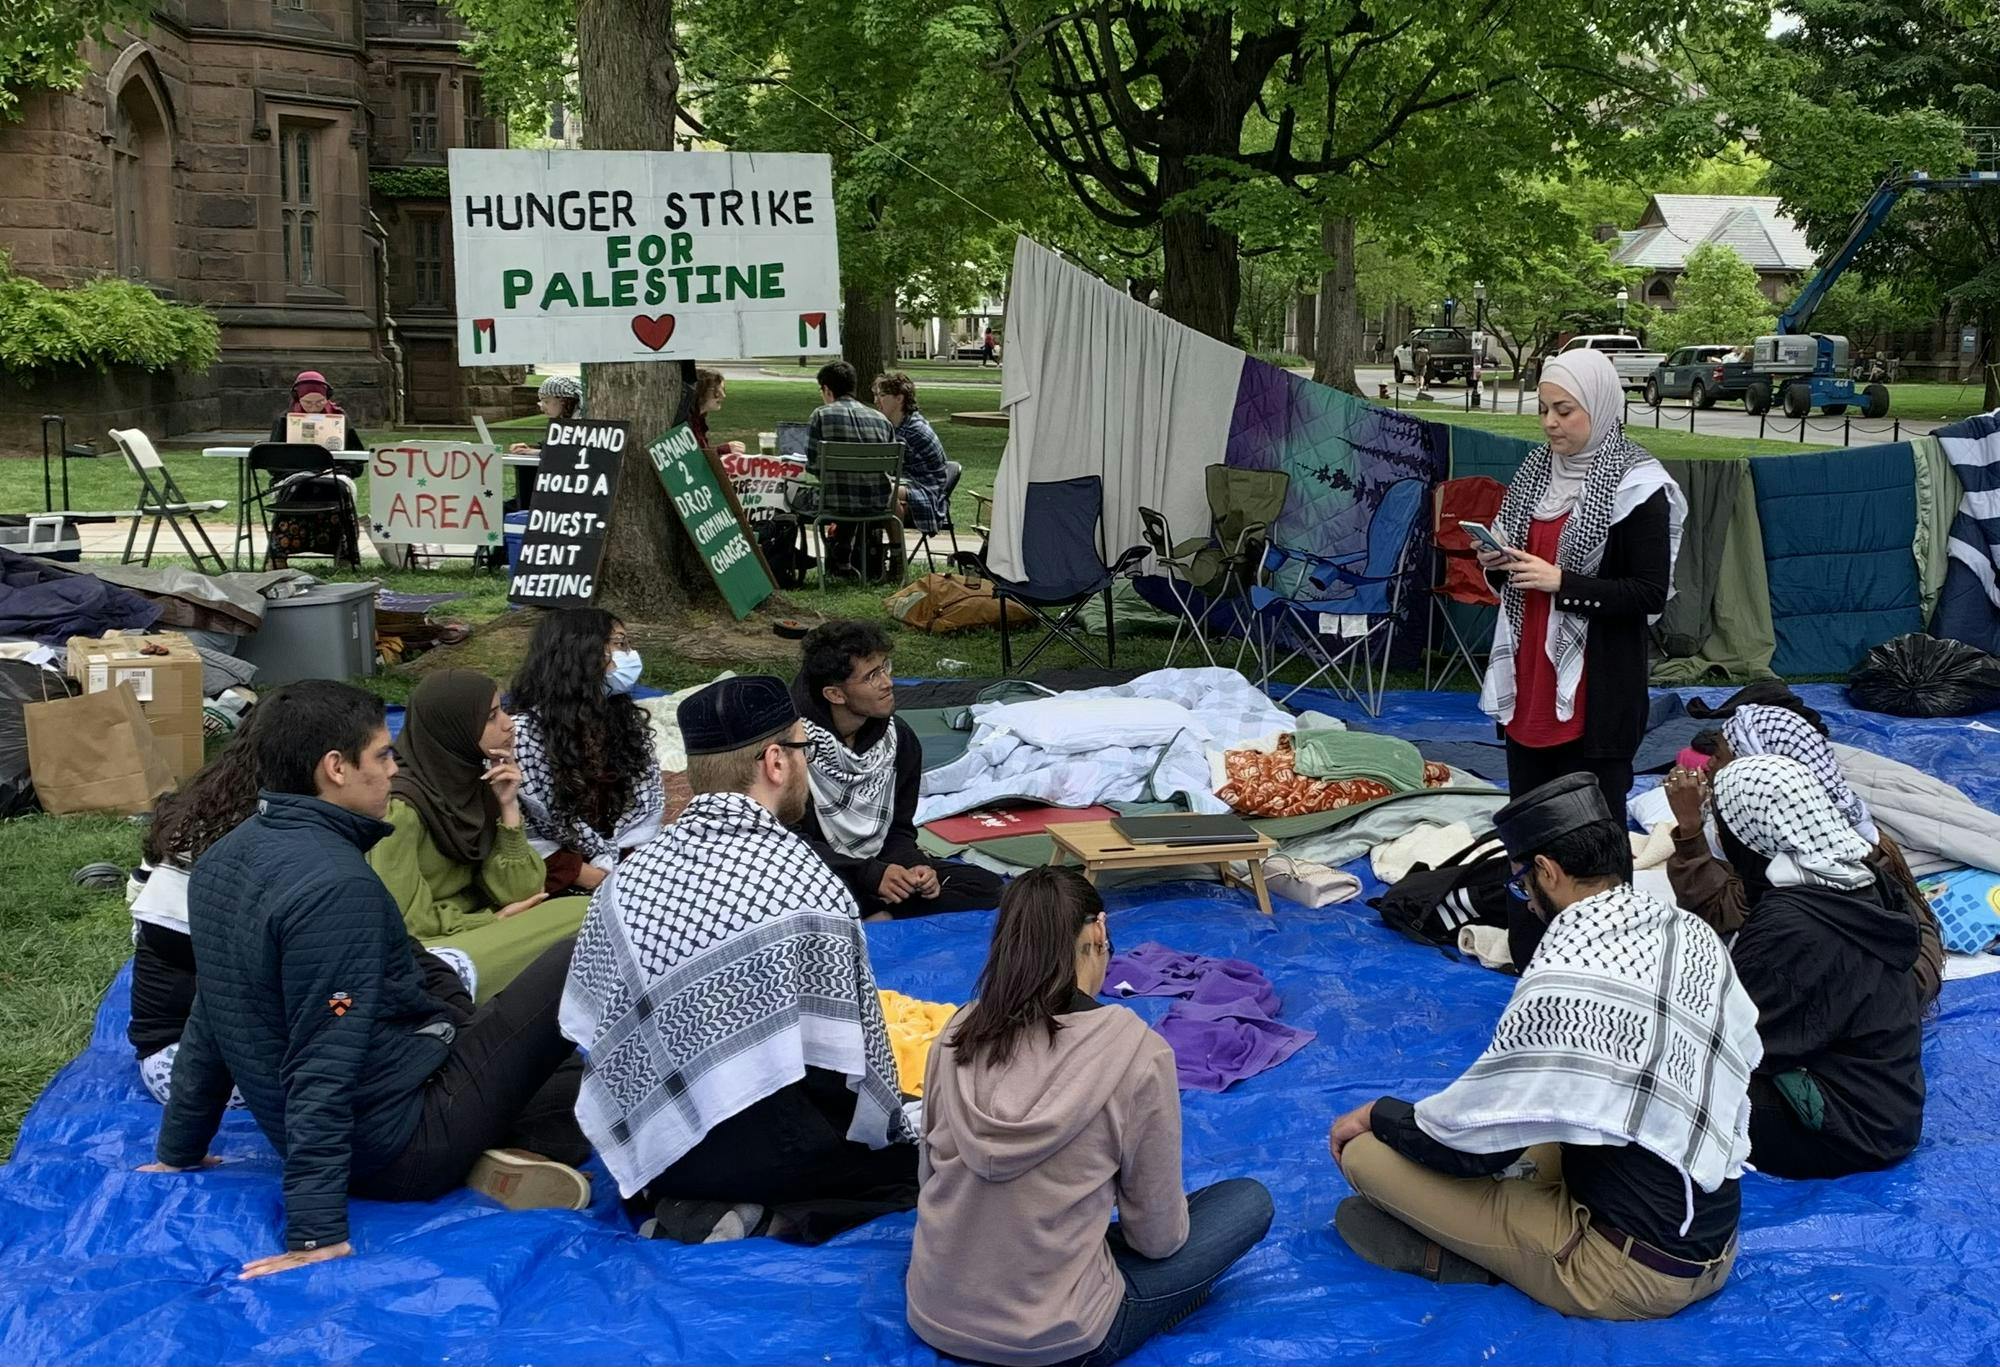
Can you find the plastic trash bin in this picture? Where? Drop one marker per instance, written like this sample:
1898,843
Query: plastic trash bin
513,533
327,632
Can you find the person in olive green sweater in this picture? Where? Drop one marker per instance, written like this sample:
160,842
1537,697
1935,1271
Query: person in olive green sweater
457,861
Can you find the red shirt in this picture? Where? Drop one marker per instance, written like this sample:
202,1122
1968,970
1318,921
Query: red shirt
1535,723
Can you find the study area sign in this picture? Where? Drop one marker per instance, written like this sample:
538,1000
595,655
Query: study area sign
641,256
710,516
574,488
435,493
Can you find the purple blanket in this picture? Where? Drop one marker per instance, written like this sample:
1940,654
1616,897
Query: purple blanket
1225,1026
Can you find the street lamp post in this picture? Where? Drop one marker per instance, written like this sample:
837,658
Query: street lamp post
1479,303
1624,296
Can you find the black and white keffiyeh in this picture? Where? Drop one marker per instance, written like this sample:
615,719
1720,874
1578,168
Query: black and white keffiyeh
1781,810
1628,1027
853,795
549,830
1759,730
714,967
1622,476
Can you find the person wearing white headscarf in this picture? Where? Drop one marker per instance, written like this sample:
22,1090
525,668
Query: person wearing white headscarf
1593,526
1826,954
1709,886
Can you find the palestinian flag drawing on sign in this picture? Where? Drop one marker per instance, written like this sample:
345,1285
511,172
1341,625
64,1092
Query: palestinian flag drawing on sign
483,338
812,331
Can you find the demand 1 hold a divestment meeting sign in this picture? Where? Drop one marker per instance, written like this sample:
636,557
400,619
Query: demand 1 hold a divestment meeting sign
638,256
574,488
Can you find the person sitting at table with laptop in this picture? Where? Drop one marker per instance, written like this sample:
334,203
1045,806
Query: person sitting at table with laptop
926,475
711,387
560,398
841,417
863,765
312,397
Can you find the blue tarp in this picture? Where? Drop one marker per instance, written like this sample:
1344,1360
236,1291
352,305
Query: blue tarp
99,1264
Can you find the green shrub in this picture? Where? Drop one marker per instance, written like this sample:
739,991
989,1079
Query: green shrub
1284,360
411,182
104,323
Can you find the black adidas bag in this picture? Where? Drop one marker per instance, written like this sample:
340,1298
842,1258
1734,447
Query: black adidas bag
1432,905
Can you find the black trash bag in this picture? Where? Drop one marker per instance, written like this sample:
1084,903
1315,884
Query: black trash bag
20,684
1922,676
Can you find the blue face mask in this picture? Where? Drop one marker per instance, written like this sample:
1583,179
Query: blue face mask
624,671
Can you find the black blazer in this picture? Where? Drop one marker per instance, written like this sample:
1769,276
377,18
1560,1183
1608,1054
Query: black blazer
1630,585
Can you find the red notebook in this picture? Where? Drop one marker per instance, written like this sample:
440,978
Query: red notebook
996,822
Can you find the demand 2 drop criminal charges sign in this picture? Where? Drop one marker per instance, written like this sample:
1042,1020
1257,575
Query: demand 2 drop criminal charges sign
639,256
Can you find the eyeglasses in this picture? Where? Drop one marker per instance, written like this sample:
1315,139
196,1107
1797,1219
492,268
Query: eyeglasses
1102,947
793,744
879,675
619,642
1517,886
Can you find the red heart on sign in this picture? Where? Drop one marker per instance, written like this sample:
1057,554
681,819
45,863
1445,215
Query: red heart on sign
653,333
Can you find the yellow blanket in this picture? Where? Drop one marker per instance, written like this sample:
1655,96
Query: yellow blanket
912,1026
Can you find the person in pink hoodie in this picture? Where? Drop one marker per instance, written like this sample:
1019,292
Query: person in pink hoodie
1044,1109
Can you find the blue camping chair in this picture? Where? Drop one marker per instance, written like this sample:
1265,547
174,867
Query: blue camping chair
1300,587
1059,539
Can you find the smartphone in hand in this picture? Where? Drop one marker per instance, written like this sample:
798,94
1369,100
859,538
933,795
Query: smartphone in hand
1485,538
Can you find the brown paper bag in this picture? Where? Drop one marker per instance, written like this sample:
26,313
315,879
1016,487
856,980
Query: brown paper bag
95,753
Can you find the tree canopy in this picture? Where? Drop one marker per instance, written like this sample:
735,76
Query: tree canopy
42,43
1718,300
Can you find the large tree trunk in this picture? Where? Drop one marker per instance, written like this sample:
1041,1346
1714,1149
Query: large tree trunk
631,86
1306,310
867,333
1339,337
1202,276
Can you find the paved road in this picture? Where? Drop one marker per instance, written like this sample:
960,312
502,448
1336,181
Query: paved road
1723,420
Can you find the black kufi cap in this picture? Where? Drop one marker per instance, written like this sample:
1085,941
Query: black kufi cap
730,714
1528,824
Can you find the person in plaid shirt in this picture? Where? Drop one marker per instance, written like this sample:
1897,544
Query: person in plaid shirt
842,417
925,478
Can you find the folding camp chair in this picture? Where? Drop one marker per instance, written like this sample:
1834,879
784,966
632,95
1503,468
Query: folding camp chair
857,490
1219,569
161,499
1301,590
953,473
1460,585
1059,543
302,484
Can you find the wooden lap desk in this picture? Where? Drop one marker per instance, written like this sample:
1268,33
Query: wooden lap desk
1098,846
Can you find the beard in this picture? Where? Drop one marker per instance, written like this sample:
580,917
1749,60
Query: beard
792,804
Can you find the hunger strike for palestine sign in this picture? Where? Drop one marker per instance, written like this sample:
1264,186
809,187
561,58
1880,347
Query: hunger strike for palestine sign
637,256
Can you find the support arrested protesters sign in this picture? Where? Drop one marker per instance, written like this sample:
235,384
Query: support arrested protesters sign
574,488
435,493
638,256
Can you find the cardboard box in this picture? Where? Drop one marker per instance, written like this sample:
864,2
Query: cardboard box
168,685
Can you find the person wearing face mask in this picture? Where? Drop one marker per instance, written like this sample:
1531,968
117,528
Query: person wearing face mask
1826,953
738,1078
1044,1108
590,778
1591,1156
864,766
1592,524
457,860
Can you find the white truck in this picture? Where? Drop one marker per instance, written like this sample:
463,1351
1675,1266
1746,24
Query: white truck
1627,354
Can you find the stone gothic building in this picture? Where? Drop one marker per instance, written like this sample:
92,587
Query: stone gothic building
280,162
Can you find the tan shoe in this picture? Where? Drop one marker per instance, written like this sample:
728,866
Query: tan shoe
520,1180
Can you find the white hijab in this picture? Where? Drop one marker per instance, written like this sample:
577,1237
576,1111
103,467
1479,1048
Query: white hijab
1588,377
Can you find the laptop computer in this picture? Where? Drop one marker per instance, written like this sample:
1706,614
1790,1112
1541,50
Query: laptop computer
316,429
1172,828
792,438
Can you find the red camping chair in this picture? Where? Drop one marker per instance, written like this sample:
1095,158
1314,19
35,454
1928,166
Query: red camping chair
1460,582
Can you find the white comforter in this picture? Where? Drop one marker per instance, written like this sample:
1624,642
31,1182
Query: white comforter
998,766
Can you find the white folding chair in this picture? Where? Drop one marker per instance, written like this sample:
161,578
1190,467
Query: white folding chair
161,499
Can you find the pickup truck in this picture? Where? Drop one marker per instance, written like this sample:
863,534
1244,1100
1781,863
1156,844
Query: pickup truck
1628,356
1451,355
1701,375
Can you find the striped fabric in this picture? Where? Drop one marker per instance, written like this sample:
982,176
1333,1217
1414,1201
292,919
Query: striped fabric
1969,609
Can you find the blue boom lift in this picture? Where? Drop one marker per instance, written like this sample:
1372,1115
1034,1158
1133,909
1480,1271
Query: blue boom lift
1807,370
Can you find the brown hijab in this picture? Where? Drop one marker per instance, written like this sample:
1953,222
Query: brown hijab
442,770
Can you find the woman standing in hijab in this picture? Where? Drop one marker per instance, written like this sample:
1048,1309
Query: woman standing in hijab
1709,886
1592,523
1826,954
457,861
312,395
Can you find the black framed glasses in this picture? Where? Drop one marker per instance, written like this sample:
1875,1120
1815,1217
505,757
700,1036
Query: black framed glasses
792,744
1517,886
